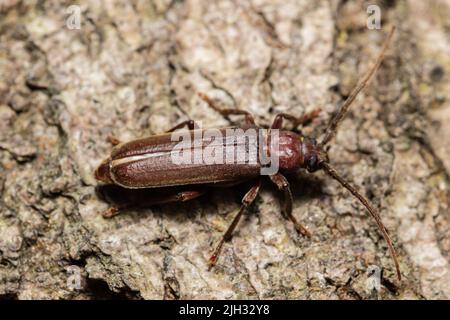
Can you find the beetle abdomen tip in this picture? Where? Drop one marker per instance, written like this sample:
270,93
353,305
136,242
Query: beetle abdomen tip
102,172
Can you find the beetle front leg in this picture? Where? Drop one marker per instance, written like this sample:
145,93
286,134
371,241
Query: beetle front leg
249,120
296,121
248,199
283,185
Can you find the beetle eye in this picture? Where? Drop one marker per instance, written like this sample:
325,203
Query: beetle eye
311,163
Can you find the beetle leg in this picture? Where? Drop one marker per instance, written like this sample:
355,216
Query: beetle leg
248,199
111,212
227,112
283,185
181,196
113,140
188,123
296,121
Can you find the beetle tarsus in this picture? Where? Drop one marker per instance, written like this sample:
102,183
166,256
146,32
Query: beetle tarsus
300,228
111,212
113,140
213,259
187,195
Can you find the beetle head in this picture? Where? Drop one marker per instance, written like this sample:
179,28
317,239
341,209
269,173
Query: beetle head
313,155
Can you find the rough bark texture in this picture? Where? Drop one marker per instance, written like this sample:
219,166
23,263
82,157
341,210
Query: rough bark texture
134,69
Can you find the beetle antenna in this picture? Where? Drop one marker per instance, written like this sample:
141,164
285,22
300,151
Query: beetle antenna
333,173
330,132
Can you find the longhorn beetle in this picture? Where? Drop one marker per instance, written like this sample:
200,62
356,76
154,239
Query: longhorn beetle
148,162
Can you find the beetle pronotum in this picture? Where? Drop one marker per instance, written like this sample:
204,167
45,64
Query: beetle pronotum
148,163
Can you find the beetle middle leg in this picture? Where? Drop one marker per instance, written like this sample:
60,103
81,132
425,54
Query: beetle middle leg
248,199
283,185
296,121
249,120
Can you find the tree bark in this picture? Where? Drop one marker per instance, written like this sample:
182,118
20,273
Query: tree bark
134,69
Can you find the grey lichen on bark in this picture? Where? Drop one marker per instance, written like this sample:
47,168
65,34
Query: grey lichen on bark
134,69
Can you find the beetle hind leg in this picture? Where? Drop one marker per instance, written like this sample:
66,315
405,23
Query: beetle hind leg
158,198
190,124
111,212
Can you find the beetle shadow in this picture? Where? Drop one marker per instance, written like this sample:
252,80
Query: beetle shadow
306,186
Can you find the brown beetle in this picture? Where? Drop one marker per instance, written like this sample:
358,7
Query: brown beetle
149,162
